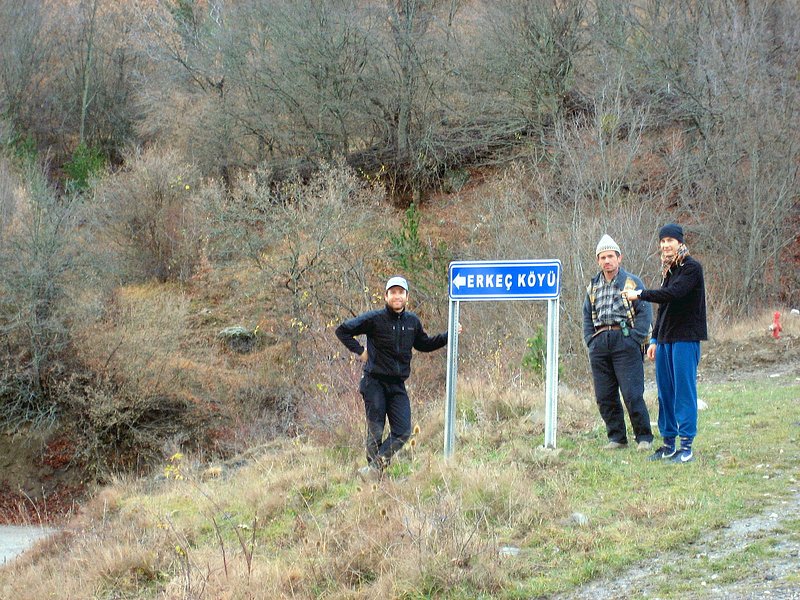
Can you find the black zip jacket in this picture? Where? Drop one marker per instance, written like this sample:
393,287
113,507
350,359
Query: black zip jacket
390,338
682,304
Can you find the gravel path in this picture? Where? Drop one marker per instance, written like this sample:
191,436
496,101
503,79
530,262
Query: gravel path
15,539
778,578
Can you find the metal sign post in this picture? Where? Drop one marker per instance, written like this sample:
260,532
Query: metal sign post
496,281
450,385
551,378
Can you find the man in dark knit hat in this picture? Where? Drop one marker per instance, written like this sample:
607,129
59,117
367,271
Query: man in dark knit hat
675,344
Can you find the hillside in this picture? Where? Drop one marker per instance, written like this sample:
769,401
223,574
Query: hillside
179,386
194,193
503,519
249,490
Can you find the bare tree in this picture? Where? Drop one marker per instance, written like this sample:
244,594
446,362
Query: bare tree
253,81
96,76
184,89
25,48
308,81
66,71
597,179
531,51
714,82
310,240
300,75
87,67
148,217
741,172
409,102
39,257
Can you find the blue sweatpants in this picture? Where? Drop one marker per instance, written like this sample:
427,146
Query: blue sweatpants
676,379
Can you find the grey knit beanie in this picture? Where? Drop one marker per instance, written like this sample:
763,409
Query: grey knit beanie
606,243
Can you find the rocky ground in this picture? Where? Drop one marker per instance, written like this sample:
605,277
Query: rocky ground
777,578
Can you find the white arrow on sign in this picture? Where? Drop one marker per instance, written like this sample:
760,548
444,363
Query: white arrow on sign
458,281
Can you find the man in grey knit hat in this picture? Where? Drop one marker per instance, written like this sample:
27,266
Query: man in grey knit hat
615,330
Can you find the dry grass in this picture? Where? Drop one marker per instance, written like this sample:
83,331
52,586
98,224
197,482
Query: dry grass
289,519
756,326
161,340
317,530
141,334
430,527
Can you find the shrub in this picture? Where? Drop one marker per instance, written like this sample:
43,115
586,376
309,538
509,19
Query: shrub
21,147
39,258
534,360
311,240
149,216
86,162
422,262
116,426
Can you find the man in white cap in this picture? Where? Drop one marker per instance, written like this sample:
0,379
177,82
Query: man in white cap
614,331
391,333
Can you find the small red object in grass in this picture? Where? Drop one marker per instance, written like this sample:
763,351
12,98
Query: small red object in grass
776,328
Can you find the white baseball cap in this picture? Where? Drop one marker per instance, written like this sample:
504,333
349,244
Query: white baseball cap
397,280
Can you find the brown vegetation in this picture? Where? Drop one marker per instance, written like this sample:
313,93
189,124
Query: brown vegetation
173,169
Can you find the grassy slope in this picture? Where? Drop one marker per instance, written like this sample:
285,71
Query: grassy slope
291,520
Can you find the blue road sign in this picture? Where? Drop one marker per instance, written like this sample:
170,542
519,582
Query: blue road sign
505,280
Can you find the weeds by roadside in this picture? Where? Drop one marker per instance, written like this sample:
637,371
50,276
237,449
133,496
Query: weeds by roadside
293,521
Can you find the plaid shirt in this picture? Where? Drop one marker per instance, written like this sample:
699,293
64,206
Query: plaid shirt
603,305
608,304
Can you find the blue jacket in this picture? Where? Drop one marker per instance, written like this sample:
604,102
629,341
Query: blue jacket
390,338
640,313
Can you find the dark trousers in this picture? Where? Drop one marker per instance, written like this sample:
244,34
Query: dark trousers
617,366
385,399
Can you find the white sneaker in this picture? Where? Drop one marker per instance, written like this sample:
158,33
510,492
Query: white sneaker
644,446
615,446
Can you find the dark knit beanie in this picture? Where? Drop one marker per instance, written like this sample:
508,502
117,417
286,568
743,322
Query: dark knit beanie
672,230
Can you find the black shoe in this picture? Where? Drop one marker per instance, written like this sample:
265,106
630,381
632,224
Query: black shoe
663,453
683,455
